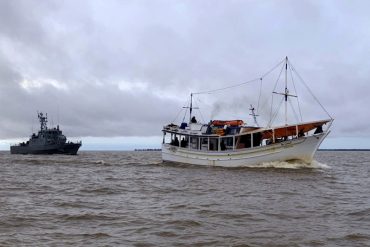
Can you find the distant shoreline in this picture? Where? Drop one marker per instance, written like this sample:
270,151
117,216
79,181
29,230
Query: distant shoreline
158,150
343,149
147,149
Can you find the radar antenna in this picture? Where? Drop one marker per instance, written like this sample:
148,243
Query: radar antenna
43,120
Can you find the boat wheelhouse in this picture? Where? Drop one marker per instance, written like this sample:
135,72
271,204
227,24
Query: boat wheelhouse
232,143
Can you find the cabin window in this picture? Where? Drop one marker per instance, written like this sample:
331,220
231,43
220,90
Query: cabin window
204,143
167,138
194,142
228,142
246,141
213,144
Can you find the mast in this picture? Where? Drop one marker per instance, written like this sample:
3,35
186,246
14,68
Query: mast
43,120
286,90
254,115
191,106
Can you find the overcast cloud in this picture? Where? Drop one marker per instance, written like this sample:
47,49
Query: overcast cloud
125,68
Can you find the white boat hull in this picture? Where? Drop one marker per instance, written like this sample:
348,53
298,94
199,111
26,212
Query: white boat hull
303,149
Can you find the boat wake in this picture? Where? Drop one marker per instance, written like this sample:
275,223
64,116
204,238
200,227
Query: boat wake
293,164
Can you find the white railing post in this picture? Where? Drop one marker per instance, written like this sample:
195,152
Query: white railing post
233,142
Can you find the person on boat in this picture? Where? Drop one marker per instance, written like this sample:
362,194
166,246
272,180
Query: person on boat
193,120
183,125
222,145
183,143
318,130
176,141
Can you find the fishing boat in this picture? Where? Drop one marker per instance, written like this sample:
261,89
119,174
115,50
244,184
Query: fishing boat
234,143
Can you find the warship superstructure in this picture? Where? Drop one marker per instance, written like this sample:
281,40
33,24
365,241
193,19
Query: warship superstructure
46,141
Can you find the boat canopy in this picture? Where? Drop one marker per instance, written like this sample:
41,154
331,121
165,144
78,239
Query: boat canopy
227,122
291,130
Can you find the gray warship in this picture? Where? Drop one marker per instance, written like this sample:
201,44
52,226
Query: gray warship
47,141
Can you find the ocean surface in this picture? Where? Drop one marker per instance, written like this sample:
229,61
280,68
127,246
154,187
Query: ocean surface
133,199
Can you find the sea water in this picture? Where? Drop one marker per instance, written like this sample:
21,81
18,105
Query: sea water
133,199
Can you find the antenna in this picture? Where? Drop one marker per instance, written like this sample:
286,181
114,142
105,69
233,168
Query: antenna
254,115
58,114
43,120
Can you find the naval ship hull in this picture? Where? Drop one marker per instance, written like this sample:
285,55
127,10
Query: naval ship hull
68,148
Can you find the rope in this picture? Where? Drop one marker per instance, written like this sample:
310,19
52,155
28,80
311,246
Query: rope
241,84
187,103
272,96
277,111
221,89
200,112
273,114
295,91
295,114
174,120
309,90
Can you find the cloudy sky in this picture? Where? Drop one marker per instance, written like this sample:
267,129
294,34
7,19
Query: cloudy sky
112,73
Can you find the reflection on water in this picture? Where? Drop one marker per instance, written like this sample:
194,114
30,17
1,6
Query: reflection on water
133,199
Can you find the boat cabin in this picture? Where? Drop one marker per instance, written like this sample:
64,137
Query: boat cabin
220,135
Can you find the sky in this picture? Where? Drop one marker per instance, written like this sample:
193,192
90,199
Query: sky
113,73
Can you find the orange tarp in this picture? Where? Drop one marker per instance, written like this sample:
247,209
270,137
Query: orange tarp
227,122
291,130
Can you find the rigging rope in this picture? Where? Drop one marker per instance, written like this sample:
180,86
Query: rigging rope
272,96
273,114
187,103
174,120
221,89
240,84
309,90
294,112
295,91
200,112
276,113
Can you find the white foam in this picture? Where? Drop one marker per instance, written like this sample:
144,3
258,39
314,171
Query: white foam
296,164
317,164
100,162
